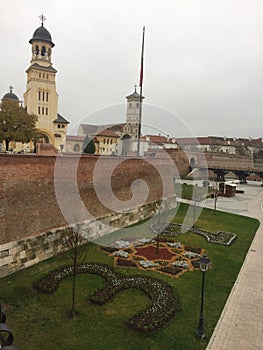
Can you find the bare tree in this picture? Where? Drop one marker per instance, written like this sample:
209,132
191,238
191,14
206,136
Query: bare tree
73,243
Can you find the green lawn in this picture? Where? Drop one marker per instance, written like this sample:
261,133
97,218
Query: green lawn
186,191
40,321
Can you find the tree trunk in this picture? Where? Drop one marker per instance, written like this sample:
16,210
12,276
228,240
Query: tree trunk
75,258
7,145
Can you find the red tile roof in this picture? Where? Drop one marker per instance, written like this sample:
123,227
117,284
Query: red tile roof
158,139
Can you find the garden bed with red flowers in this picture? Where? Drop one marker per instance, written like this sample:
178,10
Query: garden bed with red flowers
170,257
151,253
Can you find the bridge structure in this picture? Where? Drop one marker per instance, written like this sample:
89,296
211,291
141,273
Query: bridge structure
222,164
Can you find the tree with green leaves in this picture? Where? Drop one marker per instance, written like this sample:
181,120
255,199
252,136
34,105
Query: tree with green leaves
88,145
16,124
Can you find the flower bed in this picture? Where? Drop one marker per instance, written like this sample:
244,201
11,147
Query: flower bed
171,270
125,262
193,249
170,255
164,303
173,230
150,253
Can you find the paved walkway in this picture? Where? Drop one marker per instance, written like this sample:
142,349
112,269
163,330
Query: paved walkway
240,326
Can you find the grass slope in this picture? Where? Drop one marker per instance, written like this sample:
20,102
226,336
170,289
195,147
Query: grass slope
40,321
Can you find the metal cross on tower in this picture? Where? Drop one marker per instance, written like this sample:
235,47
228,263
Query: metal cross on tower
42,19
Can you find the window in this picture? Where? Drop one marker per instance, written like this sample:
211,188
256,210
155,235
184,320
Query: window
44,75
38,110
58,126
43,51
63,126
47,76
111,141
46,111
104,140
39,75
43,96
39,95
47,96
43,110
76,148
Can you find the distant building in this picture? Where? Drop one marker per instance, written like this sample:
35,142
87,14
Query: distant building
117,139
160,142
215,144
74,143
12,97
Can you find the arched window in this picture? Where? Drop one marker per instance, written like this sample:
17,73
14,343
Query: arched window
37,50
43,51
76,148
192,163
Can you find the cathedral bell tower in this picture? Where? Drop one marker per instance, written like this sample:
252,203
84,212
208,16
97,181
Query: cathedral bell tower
41,97
133,112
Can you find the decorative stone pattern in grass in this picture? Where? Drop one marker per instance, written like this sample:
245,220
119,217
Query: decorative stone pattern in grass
164,302
173,230
173,258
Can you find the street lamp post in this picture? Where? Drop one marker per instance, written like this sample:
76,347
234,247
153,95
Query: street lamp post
159,231
204,264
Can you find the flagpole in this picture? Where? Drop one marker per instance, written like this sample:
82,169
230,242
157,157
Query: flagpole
140,105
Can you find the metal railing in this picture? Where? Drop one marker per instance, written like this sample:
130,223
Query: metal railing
6,334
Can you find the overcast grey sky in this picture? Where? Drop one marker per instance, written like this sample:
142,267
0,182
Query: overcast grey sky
203,60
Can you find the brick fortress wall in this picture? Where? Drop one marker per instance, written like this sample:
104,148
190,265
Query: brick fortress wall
30,218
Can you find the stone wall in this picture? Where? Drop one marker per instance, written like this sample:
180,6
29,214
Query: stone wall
26,252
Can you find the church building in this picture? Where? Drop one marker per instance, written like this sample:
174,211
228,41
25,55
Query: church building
41,97
118,139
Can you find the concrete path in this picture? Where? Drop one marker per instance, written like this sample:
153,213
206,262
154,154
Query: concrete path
240,326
